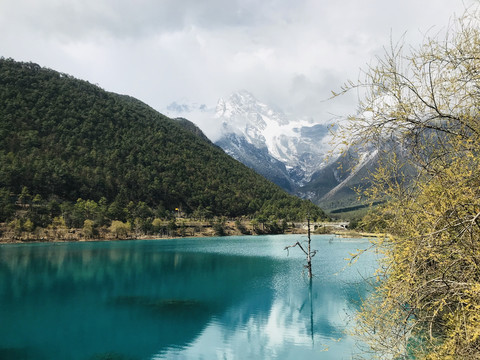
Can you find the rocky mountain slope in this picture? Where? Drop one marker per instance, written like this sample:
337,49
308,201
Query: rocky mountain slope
265,138
293,153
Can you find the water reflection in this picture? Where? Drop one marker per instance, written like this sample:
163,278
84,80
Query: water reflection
173,300
292,328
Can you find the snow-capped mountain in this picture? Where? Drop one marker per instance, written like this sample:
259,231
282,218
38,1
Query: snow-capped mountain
291,152
258,159
272,137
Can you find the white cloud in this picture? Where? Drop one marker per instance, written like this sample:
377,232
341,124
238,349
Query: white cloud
288,53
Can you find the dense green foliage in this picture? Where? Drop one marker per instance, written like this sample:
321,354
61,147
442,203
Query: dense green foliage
65,139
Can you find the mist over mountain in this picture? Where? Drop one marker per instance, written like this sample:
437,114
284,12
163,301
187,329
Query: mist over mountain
294,153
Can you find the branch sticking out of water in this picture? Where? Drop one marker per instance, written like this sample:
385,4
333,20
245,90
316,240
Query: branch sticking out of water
308,252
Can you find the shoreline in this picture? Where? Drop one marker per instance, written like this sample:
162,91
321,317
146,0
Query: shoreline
186,228
143,237
341,234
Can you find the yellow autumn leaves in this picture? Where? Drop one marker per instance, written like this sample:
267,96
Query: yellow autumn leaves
421,109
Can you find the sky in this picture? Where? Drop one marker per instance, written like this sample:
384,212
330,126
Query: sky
288,53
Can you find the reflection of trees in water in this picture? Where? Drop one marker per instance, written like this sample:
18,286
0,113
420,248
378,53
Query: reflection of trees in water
308,303
124,296
117,296
115,269
310,298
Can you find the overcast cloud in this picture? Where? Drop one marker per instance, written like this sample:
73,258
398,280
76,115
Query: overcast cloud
285,52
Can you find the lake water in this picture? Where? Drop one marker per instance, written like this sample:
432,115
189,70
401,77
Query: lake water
212,298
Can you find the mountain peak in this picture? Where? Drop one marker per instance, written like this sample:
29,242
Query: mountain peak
243,105
297,143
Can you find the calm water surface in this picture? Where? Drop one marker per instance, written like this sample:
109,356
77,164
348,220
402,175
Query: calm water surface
213,298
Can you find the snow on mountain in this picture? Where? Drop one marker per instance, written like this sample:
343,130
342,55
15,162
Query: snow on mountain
300,144
295,153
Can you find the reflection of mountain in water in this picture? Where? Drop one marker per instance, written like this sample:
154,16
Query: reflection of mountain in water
289,326
133,302
136,299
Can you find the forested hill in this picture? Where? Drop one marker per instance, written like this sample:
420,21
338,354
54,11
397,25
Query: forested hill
64,139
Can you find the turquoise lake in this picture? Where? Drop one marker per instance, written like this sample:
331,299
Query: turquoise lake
198,298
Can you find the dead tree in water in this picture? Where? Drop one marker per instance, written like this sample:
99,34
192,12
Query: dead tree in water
309,252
